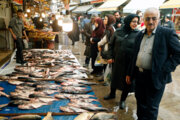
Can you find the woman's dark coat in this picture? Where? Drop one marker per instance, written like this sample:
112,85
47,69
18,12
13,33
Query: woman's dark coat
121,50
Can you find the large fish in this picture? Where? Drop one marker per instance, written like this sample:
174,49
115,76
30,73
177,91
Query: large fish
80,100
80,105
103,116
33,105
4,94
84,116
75,90
48,116
73,96
26,117
71,109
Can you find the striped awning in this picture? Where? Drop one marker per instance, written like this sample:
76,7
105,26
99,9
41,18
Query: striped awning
82,9
171,4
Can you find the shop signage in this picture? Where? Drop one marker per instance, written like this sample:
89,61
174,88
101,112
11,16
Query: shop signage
19,2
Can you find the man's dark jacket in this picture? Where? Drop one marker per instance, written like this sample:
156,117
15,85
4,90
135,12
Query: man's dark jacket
165,55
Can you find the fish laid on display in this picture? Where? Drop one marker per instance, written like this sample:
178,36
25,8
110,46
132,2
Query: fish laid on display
3,118
15,82
94,108
75,90
26,117
18,102
72,84
48,116
72,96
33,105
1,88
48,86
82,82
83,100
71,109
80,105
47,99
2,106
84,116
103,116
4,94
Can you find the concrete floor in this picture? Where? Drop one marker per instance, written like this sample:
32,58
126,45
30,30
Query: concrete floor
170,104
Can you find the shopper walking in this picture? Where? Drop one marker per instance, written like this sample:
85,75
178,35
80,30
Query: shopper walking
96,37
16,28
121,51
156,55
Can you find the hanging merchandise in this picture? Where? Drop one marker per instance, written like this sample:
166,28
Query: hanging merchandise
19,2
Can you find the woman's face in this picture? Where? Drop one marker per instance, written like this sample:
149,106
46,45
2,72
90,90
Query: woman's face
134,23
96,24
105,20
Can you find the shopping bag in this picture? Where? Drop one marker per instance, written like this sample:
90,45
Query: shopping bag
108,73
98,60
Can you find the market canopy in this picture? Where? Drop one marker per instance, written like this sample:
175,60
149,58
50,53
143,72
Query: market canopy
171,4
82,9
142,5
111,5
94,10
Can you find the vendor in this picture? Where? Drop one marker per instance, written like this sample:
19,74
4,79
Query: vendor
55,27
16,27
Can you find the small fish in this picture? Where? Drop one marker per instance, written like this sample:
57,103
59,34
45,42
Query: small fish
1,88
80,105
103,116
71,109
84,116
83,100
26,117
3,118
33,105
2,106
48,116
4,94
72,96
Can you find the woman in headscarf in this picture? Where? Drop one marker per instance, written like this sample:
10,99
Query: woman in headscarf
109,21
120,54
97,35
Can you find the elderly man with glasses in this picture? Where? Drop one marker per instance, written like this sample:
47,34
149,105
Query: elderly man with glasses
156,55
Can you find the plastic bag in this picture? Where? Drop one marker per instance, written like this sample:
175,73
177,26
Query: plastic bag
108,73
98,60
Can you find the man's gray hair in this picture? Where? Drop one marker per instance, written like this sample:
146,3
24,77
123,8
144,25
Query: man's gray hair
150,10
94,15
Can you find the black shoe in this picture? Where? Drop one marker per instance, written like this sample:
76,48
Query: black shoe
122,105
18,61
108,97
93,72
23,62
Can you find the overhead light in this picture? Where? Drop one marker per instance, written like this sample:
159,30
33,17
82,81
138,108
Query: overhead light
28,10
51,22
25,15
40,19
67,23
43,15
54,1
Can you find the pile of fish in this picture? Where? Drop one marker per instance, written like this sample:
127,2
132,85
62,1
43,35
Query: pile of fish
34,89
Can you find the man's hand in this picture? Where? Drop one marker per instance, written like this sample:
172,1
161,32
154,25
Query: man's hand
119,25
128,81
27,38
110,61
99,48
14,37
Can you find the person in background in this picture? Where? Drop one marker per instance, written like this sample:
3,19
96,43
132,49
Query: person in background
119,19
55,27
88,29
168,23
16,28
96,37
121,51
141,25
156,55
74,34
109,21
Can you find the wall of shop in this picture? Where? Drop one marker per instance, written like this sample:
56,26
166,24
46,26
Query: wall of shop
6,41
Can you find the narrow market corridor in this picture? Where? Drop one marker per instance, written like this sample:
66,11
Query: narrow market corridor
170,104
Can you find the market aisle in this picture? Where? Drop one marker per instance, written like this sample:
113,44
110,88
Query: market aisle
170,104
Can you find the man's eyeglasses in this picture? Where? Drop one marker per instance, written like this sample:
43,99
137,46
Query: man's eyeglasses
149,18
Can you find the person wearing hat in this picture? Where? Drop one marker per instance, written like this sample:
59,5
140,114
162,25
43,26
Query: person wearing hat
168,23
88,29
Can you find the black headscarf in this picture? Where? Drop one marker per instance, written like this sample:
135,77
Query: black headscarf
127,21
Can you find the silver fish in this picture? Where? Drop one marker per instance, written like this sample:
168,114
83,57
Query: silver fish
26,117
4,94
103,116
84,116
2,106
71,109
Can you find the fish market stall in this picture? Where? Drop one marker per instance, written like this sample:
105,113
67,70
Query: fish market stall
51,81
